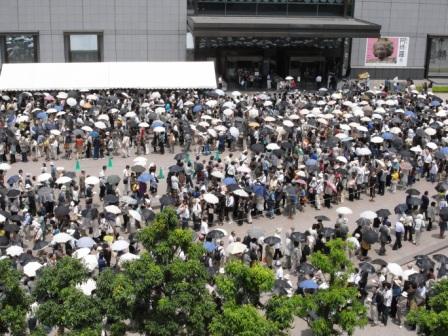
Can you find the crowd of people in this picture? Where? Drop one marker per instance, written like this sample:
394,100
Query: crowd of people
235,158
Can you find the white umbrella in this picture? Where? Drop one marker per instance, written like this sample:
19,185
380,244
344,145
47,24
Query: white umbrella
236,248
22,118
210,198
235,132
292,117
90,261
380,110
44,177
344,211
344,127
236,93
31,268
269,119
244,169
342,159
143,125
431,145
272,146
289,78
407,273
341,136
155,95
62,95
394,269
127,257
113,209
267,103
377,140
55,132
130,114
228,112
221,128
92,97
160,110
323,121
219,92
253,113
416,149
4,166
211,103
14,251
363,151
288,123
87,128
120,245
100,125
62,238
212,132
218,174
92,180
63,180
140,159
368,214
136,215
395,130
71,102
81,253
241,193
104,117
159,129
87,287
362,128
430,131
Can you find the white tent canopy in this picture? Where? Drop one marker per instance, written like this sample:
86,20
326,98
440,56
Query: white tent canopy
96,76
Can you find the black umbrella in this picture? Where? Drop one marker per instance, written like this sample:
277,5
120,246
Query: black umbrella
383,213
442,270
286,145
39,245
257,148
417,278
413,192
6,214
13,193
25,258
180,157
12,227
368,267
148,214
166,200
90,213
233,187
4,241
322,218
443,213
272,240
400,209
44,192
110,199
363,221
113,179
298,237
61,211
255,232
281,287
441,258
216,234
380,262
175,169
16,218
306,268
424,263
414,201
327,232
138,169
442,187
370,236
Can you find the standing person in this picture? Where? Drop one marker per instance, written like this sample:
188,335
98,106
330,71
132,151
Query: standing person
399,230
102,177
372,185
296,256
442,226
318,81
387,302
419,225
384,238
431,215
82,183
424,204
126,178
277,246
408,228
402,308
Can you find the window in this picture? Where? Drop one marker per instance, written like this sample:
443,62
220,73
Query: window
18,48
437,60
83,47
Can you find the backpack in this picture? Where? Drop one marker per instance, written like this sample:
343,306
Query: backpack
379,298
217,254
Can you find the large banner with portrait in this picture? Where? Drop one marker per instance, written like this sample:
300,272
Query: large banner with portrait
387,51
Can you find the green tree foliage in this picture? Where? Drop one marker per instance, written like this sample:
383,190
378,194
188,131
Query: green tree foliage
433,321
160,293
61,304
14,301
337,309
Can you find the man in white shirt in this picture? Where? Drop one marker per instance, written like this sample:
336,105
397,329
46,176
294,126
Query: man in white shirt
399,230
387,302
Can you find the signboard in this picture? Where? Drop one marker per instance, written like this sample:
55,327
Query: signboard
387,52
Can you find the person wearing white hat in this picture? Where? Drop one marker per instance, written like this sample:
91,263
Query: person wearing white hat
419,225
402,304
